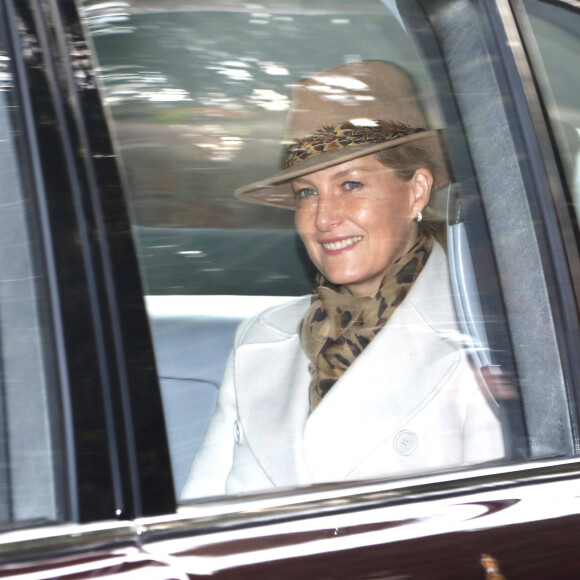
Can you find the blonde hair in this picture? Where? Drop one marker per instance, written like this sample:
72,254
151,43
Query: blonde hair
404,160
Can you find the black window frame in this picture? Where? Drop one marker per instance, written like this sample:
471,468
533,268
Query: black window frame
117,454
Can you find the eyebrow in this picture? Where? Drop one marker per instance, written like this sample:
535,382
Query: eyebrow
344,172
337,175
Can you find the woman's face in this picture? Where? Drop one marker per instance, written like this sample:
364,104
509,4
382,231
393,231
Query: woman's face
357,218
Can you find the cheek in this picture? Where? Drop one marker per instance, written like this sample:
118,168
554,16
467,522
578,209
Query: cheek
381,219
304,224
390,217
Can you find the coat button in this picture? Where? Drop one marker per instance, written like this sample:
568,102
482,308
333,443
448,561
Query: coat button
405,442
238,433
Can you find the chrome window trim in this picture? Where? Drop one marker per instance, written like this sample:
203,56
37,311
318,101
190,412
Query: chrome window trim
225,513
51,541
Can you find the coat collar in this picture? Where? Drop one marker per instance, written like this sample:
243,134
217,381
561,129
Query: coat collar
385,386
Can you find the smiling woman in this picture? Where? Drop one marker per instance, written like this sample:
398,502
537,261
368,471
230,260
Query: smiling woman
369,376
357,218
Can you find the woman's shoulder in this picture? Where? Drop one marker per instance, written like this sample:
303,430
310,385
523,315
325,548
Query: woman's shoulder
275,323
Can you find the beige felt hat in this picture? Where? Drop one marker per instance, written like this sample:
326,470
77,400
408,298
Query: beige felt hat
344,113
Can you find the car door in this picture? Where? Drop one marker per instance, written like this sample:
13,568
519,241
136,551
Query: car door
181,137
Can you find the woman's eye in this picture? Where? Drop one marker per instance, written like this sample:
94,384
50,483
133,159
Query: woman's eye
352,185
305,192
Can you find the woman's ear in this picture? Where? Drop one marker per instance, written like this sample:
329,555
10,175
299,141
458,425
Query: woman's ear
421,184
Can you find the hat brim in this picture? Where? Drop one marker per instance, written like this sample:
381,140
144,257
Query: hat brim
276,190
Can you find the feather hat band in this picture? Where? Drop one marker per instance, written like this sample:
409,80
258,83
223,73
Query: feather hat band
344,113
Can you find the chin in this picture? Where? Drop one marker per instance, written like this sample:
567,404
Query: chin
343,274
341,279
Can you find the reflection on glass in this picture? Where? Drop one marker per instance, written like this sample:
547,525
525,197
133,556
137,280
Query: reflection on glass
557,33
32,488
198,95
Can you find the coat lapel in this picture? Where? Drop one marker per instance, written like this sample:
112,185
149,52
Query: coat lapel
273,411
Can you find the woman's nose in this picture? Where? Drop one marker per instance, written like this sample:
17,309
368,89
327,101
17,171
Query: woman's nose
328,214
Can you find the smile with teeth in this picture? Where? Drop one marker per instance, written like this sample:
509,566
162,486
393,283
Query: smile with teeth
341,244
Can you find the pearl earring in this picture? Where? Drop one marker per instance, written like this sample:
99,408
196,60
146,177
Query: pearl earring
419,218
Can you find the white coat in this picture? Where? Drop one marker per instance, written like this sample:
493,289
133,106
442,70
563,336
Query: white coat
409,403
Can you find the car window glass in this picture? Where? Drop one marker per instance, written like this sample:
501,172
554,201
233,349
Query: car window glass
197,98
555,27
32,487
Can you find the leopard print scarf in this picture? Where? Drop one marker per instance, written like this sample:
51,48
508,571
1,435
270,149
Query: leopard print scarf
338,326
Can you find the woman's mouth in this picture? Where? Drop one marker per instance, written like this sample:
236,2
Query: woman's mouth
341,244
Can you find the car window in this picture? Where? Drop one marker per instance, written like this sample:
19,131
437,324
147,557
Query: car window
32,488
197,98
555,33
